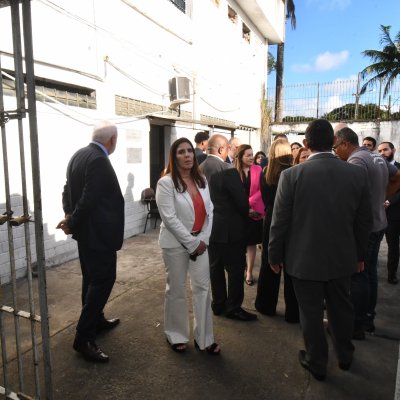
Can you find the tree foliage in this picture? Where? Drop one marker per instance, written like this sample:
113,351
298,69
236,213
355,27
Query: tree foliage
348,112
271,63
385,63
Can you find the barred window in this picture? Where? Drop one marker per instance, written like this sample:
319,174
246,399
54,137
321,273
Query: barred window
49,90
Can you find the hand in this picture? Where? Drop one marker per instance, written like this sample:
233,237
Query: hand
253,213
360,266
201,248
276,267
63,224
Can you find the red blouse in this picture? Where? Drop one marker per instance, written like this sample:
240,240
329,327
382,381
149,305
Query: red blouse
199,212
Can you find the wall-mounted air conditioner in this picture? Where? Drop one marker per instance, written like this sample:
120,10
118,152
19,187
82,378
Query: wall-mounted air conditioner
179,90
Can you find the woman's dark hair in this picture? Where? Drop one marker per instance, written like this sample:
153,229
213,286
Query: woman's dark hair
298,144
297,158
172,168
258,154
238,159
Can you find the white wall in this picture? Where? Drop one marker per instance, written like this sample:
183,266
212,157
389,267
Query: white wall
382,131
150,42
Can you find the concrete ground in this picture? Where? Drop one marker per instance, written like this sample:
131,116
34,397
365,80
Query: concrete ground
258,359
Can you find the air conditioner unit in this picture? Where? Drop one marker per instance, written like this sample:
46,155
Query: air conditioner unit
179,90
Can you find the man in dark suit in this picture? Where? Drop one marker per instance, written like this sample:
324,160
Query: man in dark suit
392,233
382,178
227,249
234,143
201,140
94,214
325,246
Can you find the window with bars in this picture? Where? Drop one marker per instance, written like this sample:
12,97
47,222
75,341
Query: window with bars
49,90
179,4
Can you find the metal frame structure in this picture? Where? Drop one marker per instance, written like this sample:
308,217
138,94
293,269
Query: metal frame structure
25,94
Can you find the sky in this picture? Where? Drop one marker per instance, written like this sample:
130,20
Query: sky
330,36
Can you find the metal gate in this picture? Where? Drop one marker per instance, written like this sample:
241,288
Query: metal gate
24,335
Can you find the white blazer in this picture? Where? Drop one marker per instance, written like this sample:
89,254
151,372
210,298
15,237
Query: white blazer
177,214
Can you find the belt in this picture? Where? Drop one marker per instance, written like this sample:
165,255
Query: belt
195,233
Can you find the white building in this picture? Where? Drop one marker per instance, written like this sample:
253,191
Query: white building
114,60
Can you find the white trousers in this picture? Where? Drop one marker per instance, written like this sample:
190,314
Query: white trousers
176,318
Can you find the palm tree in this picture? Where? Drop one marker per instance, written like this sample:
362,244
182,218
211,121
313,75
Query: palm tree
386,62
290,13
271,66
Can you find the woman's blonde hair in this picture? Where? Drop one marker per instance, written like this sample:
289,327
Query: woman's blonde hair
279,158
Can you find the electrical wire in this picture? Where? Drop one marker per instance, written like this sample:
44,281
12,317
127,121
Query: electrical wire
122,40
215,108
107,60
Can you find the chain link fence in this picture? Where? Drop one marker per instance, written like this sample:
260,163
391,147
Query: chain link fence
337,101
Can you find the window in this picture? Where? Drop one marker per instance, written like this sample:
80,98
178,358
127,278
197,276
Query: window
246,33
62,92
179,4
232,15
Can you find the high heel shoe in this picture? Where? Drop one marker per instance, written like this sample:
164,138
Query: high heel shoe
177,347
212,350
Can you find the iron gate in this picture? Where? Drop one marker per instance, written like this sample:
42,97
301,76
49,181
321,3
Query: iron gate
25,348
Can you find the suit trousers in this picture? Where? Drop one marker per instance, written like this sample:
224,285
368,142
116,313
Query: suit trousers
98,277
364,285
392,234
232,258
311,295
268,292
176,317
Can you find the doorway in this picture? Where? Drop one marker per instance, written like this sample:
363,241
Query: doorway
157,153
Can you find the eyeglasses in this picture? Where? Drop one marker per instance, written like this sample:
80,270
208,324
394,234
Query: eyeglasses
337,145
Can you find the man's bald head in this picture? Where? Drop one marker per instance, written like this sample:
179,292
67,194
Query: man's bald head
218,146
339,126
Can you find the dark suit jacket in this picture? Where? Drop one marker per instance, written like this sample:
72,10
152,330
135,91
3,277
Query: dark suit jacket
200,155
393,211
211,165
231,206
321,220
93,199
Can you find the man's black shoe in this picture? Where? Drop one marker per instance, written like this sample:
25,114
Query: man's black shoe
90,351
306,365
393,280
345,366
241,315
107,324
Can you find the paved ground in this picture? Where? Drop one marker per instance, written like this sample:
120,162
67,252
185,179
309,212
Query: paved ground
258,360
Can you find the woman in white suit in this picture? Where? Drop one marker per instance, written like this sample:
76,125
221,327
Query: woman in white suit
186,211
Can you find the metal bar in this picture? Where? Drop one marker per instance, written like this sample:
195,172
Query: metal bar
9,395
357,97
6,184
19,71
23,314
30,81
16,33
3,354
21,106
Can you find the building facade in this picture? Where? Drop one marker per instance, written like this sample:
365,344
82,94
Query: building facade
159,69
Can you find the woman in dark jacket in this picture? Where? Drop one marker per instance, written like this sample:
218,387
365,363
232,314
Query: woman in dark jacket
279,159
